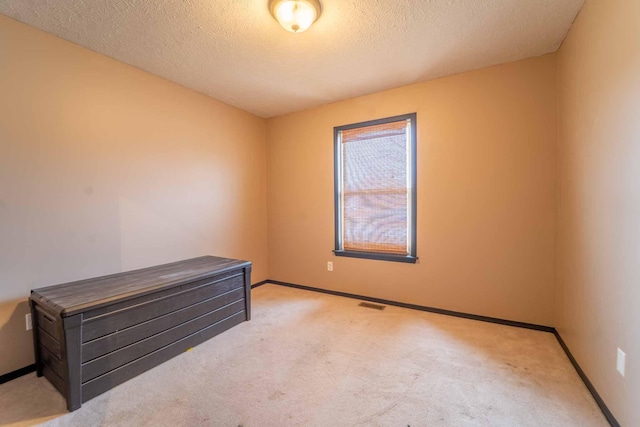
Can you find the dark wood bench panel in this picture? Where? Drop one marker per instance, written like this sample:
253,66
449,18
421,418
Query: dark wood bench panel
129,316
50,324
119,339
158,294
52,361
53,378
117,376
50,343
92,334
127,354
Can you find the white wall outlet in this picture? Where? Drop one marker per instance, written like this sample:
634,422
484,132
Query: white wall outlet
329,266
622,359
27,318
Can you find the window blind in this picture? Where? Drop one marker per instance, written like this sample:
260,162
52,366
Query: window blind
375,188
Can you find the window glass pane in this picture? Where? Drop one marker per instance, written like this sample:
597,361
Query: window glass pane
374,188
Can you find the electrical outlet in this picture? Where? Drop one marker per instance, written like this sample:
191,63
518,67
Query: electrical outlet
330,266
622,359
27,319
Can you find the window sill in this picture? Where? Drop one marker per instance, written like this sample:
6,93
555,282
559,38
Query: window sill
380,257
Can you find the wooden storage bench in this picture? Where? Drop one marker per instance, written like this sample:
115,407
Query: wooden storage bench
92,335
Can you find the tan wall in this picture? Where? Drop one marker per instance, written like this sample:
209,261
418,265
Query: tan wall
105,168
486,194
598,281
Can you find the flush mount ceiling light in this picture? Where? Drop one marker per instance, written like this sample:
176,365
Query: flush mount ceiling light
295,15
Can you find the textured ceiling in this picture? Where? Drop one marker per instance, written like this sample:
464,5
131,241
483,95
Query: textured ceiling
234,51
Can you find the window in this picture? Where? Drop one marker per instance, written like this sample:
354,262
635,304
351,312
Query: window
375,189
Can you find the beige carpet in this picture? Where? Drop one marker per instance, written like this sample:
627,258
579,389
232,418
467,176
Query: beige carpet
308,359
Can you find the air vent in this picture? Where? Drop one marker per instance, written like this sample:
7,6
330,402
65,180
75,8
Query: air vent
374,306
